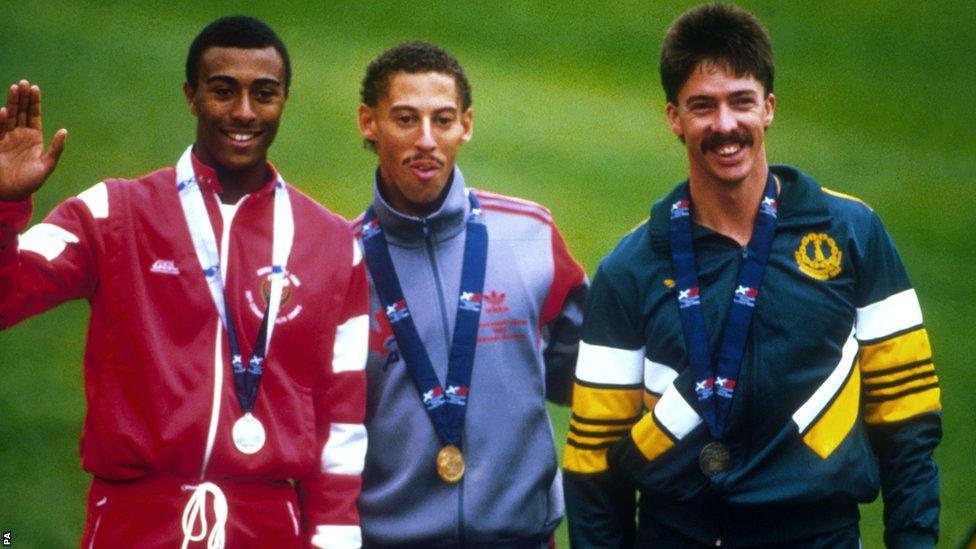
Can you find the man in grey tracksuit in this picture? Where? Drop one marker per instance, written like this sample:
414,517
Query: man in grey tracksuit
493,480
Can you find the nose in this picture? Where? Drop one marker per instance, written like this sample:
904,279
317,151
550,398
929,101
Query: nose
725,121
243,110
425,141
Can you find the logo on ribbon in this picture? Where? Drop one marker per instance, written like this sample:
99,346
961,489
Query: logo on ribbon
457,394
724,387
433,398
397,311
470,301
688,298
371,229
769,206
680,208
745,295
703,388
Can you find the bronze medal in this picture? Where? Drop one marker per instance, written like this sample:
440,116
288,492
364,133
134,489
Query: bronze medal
714,458
450,464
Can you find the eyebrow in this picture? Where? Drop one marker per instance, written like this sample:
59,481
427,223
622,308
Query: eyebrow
229,80
734,95
411,108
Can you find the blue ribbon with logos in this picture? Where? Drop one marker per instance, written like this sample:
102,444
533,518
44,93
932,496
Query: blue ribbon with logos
715,380
446,407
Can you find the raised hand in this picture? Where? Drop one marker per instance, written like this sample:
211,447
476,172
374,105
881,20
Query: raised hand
24,165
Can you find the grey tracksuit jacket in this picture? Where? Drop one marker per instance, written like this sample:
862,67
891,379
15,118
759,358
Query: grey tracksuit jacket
511,493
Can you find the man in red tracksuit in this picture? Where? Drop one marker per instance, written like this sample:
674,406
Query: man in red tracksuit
224,362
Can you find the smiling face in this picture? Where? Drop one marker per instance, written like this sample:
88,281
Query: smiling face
238,102
417,129
722,120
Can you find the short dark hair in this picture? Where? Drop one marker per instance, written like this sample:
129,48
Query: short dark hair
725,35
412,57
234,31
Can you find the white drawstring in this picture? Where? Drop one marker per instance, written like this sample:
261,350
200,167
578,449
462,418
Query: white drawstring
195,513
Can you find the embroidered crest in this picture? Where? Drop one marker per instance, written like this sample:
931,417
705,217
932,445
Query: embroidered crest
258,301
818,256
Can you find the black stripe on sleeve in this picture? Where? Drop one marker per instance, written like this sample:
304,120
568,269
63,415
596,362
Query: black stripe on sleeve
598,434
899,394
588,421
892,335
868,387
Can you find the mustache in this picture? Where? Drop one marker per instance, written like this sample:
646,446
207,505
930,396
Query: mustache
718,139
423,156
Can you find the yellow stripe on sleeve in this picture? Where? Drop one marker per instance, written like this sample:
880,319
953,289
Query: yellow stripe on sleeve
650,438
903,349
899,378
601,416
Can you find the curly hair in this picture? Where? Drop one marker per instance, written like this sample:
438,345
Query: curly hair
412,57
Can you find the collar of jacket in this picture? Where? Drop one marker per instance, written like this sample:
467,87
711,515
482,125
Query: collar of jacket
801,204
408,231
207,178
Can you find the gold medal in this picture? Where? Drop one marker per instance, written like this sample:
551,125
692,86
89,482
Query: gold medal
714,458
450,464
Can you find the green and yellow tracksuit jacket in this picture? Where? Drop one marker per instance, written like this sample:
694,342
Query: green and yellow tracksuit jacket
837,393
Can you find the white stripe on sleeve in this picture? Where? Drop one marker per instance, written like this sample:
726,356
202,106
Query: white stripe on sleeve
47,240
898,312
674,412
345,450
609,365
96,198
351,345
658,376
333,536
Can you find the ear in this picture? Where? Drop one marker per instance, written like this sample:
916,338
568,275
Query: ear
367,122
467,122
188,93
770,107
671,110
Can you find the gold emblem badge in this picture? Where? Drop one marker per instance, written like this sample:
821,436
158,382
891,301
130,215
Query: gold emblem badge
812,259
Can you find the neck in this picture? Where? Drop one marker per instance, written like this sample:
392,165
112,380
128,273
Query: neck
727,209
236,184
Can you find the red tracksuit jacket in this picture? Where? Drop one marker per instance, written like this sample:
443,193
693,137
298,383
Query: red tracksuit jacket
160,392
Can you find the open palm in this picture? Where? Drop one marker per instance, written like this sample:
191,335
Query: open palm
24,165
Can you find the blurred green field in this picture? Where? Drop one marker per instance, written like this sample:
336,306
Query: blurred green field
875,99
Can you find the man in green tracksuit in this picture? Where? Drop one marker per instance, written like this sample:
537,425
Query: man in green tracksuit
769,330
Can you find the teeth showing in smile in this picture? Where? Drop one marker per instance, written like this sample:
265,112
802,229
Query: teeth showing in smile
242,136
729,149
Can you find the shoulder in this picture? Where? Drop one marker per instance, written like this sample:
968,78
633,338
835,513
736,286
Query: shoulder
630,252
310,210
808,193
512,208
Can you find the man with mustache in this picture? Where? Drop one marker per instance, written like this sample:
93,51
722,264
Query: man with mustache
225,355
476,305
767,328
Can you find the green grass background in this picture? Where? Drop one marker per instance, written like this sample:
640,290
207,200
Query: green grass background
875,99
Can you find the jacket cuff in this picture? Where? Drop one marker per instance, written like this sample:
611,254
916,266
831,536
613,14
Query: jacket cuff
16,214
911,539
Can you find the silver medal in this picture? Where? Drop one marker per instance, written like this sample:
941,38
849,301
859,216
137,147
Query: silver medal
248,434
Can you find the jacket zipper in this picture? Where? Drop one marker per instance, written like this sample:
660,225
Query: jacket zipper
429,242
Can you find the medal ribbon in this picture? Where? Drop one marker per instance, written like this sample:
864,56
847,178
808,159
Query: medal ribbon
246,379
446,408
715,379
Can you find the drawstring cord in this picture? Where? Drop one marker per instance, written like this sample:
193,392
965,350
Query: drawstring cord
195,513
